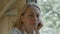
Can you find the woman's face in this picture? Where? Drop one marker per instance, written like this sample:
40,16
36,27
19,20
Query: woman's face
31,17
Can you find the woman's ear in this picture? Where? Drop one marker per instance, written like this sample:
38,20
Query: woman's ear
22,18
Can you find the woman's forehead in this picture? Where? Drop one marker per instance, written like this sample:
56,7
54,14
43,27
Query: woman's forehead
32,9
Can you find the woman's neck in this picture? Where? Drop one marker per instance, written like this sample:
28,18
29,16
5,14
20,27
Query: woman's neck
28,31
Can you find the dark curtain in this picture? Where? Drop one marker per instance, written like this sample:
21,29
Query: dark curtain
31,1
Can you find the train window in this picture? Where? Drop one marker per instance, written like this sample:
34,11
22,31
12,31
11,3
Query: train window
12,12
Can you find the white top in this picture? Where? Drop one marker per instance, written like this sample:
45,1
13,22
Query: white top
16,31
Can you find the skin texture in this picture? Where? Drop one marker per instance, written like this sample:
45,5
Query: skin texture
31,20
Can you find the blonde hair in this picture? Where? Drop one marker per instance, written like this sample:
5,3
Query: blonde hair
22,12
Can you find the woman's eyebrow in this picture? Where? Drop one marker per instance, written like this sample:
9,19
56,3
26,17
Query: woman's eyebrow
31,12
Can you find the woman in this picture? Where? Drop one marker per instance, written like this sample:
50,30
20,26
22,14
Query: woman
29,21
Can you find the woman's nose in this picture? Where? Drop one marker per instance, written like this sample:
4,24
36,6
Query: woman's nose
35,19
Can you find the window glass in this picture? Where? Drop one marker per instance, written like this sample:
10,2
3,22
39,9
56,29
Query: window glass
50,10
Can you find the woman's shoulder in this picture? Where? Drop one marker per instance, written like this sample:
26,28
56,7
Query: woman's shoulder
15,31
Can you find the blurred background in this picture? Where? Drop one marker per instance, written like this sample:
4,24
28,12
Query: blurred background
50,16
50,10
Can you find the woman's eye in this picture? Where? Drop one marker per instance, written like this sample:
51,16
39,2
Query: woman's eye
37,16
30,15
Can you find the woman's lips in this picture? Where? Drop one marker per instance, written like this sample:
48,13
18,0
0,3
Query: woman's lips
37,24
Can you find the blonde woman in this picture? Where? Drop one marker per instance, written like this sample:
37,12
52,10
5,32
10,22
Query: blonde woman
29,21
